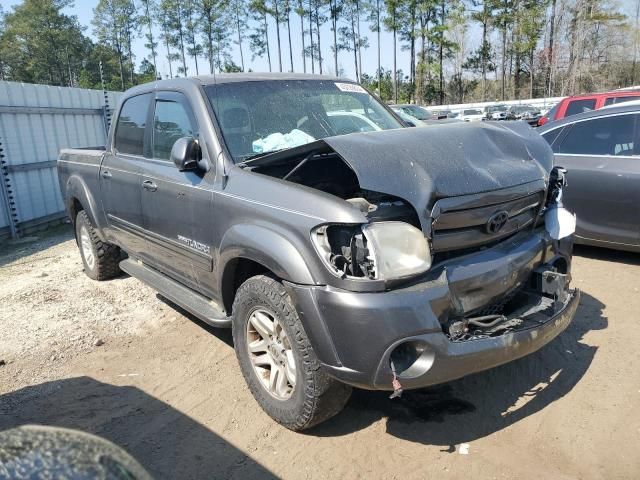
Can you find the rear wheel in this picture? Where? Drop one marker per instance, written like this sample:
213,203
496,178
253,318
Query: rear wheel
277,360
101,259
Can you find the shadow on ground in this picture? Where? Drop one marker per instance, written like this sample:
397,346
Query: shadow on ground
166,442
481,404
606,254
15,251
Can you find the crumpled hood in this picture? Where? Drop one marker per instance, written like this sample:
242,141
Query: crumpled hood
422,165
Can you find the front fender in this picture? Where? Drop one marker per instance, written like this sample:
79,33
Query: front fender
266,247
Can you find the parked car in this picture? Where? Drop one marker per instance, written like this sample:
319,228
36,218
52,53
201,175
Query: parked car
497,112
415,111
441,114
414,122
584,103
528,113
601,150
471,115
385,260
344,122
410,120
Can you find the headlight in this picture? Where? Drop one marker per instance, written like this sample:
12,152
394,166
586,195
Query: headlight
376,251
398,249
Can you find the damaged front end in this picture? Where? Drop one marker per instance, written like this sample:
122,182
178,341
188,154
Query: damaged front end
463,262
530,305
540,296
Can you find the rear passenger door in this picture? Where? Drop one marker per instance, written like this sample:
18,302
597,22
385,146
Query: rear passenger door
120,176
176,205
601,155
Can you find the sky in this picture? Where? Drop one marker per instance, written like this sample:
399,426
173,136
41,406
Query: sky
83,9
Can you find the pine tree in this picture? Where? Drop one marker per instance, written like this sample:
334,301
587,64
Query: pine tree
392,23
148,8
300,11
240,19
259,39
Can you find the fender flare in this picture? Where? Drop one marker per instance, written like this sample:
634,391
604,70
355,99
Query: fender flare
266,247
76,188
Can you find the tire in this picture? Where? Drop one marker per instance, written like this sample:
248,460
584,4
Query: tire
314,397
100,259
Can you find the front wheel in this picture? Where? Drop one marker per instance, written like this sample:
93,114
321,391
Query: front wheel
277,360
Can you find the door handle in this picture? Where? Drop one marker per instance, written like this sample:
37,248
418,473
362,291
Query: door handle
149,185
106,174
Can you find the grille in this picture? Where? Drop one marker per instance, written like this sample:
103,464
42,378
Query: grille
460,227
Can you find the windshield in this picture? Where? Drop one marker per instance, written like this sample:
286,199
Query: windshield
257,117
497,108
472,112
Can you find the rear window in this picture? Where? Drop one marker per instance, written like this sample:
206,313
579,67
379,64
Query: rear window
580,106
129,137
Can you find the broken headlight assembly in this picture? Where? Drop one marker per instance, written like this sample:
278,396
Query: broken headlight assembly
375,251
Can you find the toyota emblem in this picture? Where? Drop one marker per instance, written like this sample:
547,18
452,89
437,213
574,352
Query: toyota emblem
496,222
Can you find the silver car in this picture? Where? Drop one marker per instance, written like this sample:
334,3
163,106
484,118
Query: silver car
601,151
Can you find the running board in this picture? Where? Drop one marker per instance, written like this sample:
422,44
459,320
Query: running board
200,306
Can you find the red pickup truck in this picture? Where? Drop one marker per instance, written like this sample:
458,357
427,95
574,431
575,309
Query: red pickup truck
583,103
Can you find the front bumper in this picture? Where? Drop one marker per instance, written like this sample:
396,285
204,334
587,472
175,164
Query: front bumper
354,334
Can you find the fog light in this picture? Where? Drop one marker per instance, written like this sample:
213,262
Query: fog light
412,359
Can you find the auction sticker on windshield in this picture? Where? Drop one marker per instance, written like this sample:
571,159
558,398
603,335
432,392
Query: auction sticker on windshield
350,87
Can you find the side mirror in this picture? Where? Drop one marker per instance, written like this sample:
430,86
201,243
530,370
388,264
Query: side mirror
186,153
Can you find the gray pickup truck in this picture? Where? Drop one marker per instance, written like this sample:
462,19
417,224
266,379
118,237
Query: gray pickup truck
342,248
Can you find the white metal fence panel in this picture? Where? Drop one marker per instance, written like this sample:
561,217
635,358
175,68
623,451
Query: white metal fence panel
546,103
36,121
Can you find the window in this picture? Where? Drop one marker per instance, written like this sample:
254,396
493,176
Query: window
171,121
551,136
580,106
129,136
612,100
260,117
601,136
551,114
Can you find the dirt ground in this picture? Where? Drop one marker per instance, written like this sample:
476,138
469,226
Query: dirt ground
116,360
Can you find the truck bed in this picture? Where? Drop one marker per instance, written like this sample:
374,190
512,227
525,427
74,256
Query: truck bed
79,170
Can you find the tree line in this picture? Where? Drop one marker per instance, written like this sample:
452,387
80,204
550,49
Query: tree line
457,50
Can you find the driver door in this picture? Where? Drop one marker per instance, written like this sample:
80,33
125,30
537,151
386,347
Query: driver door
176,205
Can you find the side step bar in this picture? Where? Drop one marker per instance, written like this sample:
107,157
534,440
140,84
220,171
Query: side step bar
200,306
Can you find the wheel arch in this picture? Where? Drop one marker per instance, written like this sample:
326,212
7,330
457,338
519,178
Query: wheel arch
79,197
249,250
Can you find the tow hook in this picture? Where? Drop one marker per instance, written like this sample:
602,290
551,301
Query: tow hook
397,387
